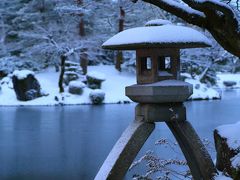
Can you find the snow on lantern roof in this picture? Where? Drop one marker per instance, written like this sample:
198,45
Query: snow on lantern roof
158,22
165,36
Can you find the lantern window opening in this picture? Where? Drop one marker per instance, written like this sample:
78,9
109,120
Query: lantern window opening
146,64
149,63
164,66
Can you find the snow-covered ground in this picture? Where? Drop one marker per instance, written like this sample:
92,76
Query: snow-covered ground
113,86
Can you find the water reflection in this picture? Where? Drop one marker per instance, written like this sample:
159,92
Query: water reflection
72,142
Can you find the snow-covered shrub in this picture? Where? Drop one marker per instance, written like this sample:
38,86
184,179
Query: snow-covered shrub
208,76
76,87
97,96
9,64
95,79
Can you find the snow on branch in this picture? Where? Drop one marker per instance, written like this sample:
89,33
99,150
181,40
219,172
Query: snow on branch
70,9
217,17
181,10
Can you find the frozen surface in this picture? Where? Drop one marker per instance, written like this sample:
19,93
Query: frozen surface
157,34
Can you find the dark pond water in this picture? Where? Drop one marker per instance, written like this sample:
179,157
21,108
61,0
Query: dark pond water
72,142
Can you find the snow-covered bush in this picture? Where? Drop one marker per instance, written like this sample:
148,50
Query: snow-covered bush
76,87
9,64
200,90
97,96
95,79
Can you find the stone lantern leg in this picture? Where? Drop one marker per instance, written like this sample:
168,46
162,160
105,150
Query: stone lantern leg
160,96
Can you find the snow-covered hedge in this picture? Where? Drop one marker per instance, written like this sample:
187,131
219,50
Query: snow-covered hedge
97,96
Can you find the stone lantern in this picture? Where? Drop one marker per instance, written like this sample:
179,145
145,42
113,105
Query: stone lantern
158,60
160,95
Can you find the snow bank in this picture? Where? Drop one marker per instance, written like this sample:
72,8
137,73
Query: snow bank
157,35
22,74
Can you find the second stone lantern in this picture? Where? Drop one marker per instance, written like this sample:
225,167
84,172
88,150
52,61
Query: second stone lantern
160,95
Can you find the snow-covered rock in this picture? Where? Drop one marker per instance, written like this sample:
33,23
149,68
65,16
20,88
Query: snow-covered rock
227,143
227,77
95,79
76,87
230,83
22,74
97,75
97,96
25,85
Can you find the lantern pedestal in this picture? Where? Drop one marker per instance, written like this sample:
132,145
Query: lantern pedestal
136,134
160,92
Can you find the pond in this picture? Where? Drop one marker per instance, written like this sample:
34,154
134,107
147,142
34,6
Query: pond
71,142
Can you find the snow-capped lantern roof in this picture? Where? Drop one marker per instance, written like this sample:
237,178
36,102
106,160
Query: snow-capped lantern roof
164,36
157,22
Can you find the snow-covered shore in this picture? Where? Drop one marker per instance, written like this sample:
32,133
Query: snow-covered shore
114,88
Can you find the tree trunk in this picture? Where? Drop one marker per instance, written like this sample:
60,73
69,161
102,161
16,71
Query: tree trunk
61,77
84,60
81,26
119,58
